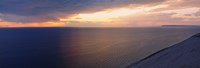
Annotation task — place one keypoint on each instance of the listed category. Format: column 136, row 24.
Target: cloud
column 180, row 4
column 25, row 19
column 188, row 3
column 45, row 10
column 155, row 19
column 197, row 13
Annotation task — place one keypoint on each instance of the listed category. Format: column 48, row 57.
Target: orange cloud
column 43, row 24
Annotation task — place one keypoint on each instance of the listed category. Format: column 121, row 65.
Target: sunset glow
column 111, row 15
column 102, row 16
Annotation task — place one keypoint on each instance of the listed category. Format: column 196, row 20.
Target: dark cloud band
column 45, row 10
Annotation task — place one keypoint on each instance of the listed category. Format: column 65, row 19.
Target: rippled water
column 84, row 47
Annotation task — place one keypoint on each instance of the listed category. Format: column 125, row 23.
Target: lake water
column 84, row 47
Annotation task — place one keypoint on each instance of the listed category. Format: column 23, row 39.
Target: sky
column 98, row 13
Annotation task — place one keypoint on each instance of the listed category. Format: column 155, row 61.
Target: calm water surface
column 84, row 47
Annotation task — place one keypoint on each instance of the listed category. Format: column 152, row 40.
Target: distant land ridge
column 190, row 26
